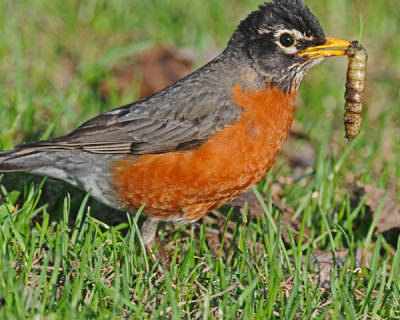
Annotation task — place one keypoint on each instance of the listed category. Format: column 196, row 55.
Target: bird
column 202, row 141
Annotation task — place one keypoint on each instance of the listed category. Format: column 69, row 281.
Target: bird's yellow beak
column 332, row 47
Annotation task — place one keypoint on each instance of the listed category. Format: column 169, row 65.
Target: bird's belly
column 186, row 185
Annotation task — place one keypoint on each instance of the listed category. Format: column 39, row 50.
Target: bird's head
column 284, row 40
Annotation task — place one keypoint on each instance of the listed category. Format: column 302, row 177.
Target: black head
column 275, row 38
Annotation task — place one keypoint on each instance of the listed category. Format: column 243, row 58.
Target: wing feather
column 177, row 118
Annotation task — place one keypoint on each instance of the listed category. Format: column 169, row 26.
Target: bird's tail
column 16, row 160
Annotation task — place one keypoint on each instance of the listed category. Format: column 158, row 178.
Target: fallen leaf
column 158, row 68
column 389, row 217
column 323, row 263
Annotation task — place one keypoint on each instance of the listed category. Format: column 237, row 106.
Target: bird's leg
column 148, row 233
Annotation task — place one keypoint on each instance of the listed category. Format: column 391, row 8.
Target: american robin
column 202, row 141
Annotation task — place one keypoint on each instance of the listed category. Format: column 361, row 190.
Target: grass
column 62, row 255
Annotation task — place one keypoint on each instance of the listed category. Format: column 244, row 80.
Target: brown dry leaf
column 157, row 67
column 322, row 262
column 389, row 217
column 64, row 71
column 253, row 205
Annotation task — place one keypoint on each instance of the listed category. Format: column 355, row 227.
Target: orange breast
column 186, row 185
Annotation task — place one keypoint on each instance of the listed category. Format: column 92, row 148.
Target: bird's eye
column 286, row 40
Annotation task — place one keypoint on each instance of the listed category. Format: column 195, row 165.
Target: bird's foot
column 148, row 233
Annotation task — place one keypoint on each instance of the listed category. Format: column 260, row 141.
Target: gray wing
column 177, row 118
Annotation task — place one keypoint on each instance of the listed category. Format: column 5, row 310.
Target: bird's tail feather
column 15, row 160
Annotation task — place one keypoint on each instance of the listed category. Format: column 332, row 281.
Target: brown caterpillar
column 355, row 84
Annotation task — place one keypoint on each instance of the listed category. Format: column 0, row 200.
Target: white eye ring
column 294, row 34
column 287, row 40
